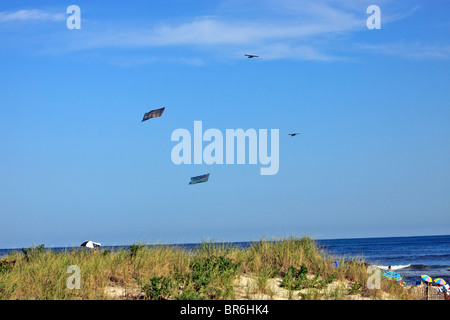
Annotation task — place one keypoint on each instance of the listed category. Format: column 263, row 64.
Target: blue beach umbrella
column 391, row 275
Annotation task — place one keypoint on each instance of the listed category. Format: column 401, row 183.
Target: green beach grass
column 289, row 268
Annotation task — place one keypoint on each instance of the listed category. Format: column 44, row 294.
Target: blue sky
column 373, row 107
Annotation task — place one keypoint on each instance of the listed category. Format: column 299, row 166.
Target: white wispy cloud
column 31, row 15
column 207, row 31
column 285, row 34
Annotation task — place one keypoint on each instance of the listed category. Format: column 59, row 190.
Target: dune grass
column 166, row 272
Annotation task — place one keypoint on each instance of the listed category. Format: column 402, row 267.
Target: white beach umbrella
column 90, row 244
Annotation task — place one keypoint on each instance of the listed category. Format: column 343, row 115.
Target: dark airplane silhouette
column 294, row 134
column 251, row 56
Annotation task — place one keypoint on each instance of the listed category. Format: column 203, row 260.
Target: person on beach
column 389, row 268
column 446, row 289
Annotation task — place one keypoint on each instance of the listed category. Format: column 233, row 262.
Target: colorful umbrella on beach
column 440, row 281
column 426, row 278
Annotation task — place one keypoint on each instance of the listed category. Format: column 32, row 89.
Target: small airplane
column 250, row 56
column 294, row 134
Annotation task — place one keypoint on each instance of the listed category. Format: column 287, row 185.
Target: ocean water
column 411, row 257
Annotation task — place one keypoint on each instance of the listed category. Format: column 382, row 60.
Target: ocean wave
column 394, row 267
column 422, row 267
